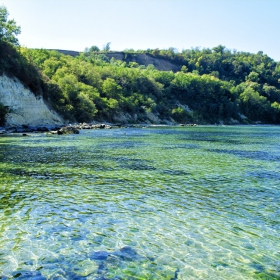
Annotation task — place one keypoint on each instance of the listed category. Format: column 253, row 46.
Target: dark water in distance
column 153, row 203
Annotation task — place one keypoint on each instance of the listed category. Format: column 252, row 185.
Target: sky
column 242, row 25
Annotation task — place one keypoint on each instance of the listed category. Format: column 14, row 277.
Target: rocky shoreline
column 69, row 128
column 60, row 130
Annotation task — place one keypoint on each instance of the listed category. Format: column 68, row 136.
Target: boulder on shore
column 68, row 130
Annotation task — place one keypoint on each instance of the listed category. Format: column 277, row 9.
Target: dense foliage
column 8, row 28
column 14, row 64
column 212, row 86
column 92, row 87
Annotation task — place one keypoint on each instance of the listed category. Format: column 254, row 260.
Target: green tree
column 181, row 115
column 219, row 49
column 253, row 104
column 107, row 47
column 85, row 108
column 275, row 112
column 111, row 89
column 8, row 28
column 219, row 84
column 253, row 77
column 94, row 49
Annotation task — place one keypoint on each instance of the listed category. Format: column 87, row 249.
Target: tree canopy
column 8, row 28
column 91, row 86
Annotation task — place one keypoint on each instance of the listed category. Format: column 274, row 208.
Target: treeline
column 91, row 87
column 219, row 62
column 213, row 85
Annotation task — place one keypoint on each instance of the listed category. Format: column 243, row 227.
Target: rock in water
column 68, row 130
column 36, row 275
column 99, row 255
column 127, row 254
column 176, row 275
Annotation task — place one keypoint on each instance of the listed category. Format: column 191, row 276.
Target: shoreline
column 75, row 128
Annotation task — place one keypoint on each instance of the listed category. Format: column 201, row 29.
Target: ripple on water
column 144, row 205
column 256, row 155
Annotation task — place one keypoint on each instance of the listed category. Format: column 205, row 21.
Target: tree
column 179, row 114
column 85, row 109
column 219, row 49
column 253, row 77
column 94, row 49
column 111, row 89
column 275, row 111
column 253, row 104
column 107, row 47
column 8, row 28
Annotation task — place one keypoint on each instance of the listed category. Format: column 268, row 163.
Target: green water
column 152, row 203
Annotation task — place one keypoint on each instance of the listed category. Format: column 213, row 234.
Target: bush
column 181, row 115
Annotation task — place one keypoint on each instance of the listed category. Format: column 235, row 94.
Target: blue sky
column 244, row 25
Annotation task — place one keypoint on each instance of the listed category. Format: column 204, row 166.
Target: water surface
column 153, row 203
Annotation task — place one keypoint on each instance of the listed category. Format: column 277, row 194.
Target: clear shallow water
column 154, row 203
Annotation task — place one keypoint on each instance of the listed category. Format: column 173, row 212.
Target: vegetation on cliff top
column 213, row 85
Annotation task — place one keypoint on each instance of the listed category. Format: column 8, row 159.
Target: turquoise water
column 152, row 203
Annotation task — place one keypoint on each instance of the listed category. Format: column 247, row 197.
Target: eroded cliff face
column 146, row 59
column 25, row 108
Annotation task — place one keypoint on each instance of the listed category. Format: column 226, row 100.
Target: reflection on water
column 154, row 203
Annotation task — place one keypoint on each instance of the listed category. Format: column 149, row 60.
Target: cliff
column 66, row 52
column 24, row 107
column 145, row 59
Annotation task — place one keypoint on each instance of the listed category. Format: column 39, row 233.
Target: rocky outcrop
column 75, row 129
column 160, row 63
column 68, row 130
column 66, row 52
column 146, row 59
column 24, row 107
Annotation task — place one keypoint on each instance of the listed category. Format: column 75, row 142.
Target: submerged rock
column 97, row 265
column 35, row 275
column 176, row 273
column 107, row 259
column 127, row 254
column 99, row 255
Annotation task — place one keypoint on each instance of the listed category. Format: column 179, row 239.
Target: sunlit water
column 151, row 203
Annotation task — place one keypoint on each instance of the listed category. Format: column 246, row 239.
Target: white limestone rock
column 25, row 107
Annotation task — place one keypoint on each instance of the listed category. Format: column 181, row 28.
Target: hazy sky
column 244, row 25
